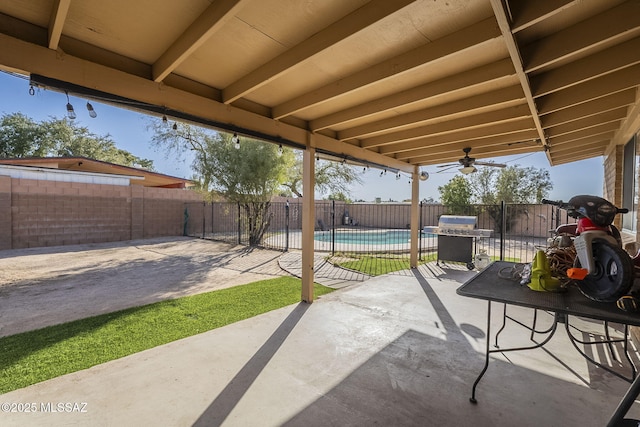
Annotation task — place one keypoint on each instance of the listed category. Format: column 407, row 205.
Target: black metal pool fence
column 372, row 229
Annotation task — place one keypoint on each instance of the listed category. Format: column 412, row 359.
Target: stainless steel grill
column 456, row 236
column 458, row 225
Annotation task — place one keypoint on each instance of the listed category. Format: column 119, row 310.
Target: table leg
column 625, row 404
column 504, row 324
column 608, row 339
column 488, row 351
column 533, row 327
column 575, row 341
column 472, row 399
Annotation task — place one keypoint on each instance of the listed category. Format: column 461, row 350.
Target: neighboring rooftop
column 84, row 164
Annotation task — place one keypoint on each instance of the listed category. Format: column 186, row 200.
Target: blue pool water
column 377, row 237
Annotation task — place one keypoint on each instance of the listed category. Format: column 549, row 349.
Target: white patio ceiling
column 398, row 83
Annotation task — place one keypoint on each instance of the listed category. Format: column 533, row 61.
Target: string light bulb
column 280, row 150
column 70, row 113
column 236, row 141
column 165, row 121
column 92, row 112
column 175, row 126
column 32, row 91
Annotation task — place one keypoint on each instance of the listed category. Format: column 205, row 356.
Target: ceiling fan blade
column 447, row 167
column 450, row 165
column 495, row 165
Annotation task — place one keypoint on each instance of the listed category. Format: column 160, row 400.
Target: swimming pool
column 367, row 237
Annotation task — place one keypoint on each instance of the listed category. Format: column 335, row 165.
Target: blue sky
column 129, row 131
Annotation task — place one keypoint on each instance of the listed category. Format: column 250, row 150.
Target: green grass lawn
column 376, row 266
column 35, row 356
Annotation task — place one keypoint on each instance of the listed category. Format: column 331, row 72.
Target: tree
column 250, row 175
column 339, row 196
column 330, row 177
column 21, row 136
column 456, row 195
column 513, row 185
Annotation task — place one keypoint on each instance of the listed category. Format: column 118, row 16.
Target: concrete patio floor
column 401, row 349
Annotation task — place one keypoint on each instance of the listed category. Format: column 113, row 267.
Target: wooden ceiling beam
column 56, row 22
column 578, row 158
column 210, row 21
column 606, row 136
column 36, row 59
column 510, row 96
column 590, row 108
column 528, row 13
column 605, row 85
column 614, row 23
column 583, row 145
column 593, row 66
column 507, row 140
column 480, row 153
column 616, row 115
column 630, row 126
column 594, row 130
column 592, row 152
column 496, row 71
column 479, row 121
column 462, row 135
column 516, row 59
column 354, row 22
column 457, row 43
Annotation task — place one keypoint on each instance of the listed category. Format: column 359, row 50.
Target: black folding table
column 497, row 283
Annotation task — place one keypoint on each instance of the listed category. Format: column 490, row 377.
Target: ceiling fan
column 469, row 163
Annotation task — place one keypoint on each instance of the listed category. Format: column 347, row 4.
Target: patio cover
column 396, row 83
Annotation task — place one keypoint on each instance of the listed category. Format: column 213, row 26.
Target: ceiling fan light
column 468, row 169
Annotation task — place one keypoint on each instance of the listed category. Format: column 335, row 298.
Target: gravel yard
column 45, row 286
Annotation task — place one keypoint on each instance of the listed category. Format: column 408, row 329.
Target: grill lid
column 458, row 225
column 457, row 222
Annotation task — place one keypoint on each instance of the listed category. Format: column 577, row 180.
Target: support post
column 333, row 227
column 308, row 220
column 415, row 210
column 420, row 225
column 286, row 227
column 239, row 225
column 503, row 228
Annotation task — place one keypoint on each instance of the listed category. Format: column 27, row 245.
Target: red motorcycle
column 603, row 270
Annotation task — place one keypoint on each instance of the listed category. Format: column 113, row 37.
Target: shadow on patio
column 400, row 349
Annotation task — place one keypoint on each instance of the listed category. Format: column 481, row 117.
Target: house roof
column 83, row 164
column 400, row 83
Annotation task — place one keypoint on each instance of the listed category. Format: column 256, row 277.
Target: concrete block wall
column 5, row 212
column 36, row 213
column 163, row 211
